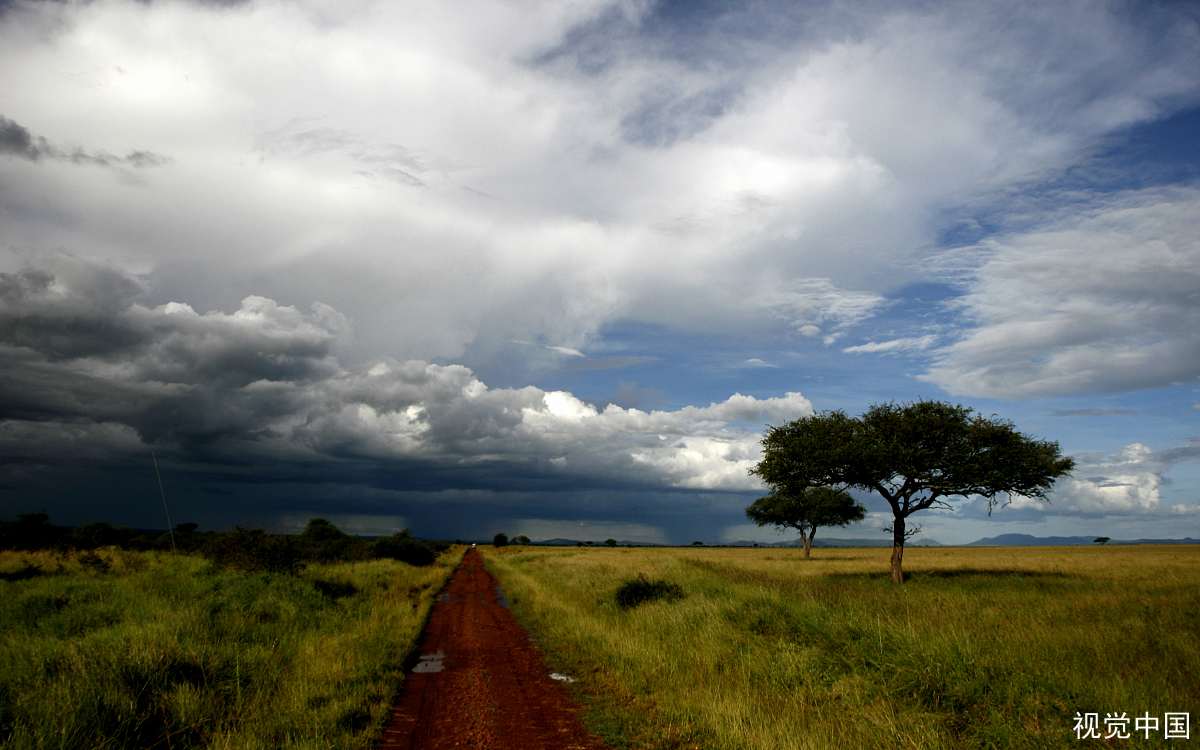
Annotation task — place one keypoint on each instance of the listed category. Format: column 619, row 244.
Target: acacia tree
column 914, row 455
column 806, row 511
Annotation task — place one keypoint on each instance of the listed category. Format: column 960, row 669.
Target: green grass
column 122, row 649
column 982, row 648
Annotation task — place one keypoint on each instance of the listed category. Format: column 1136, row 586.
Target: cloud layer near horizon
column 85, row 362
column 92, row 376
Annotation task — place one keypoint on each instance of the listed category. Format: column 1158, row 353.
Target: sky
column 552, row 268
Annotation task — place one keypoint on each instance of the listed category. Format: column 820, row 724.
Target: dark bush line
column 640, row 590
column 242, row 548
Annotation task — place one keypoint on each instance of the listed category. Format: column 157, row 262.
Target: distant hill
column 595, row 543
column 885, row 542
column 836, row 542
column 832, row 542
column 1004, row 540
column 1025, row 540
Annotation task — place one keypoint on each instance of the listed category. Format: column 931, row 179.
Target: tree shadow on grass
column 23, row 573
column 818, row 557
column 915, row 576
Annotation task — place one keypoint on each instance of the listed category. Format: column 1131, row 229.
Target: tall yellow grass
column 983, row 647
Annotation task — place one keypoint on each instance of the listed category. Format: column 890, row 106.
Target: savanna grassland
column 981, row 648
column 128, row 649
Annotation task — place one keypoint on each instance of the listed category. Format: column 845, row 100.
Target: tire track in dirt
column 479, row 682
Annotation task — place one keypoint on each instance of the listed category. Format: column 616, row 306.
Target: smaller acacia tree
column 806, row 511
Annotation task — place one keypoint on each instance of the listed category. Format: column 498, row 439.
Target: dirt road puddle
column 430, row 663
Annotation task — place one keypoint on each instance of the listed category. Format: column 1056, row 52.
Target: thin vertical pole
column 164, row 497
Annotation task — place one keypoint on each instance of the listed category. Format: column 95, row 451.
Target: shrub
column 30, row 531
column 500, row 540
column 89, row 560
column 95, row 534
column 639, row 590
column 255, row 550
column 321, row 530
column 406, row 549
column 25, row 572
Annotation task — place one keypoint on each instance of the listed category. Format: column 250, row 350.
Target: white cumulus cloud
column 1124, row 482
column 895, row 345
column 1103, row 299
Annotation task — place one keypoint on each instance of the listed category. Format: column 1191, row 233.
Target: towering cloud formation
column 84, row 361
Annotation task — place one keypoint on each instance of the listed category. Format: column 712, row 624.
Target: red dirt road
column 480, row 683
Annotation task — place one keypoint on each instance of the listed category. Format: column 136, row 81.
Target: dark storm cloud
column 135, row 159
column 76, row 313
column 85, row 310
column 16, row 140
column 88, row 370
column 75, row 345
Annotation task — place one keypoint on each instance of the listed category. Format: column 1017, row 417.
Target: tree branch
column 908, row 533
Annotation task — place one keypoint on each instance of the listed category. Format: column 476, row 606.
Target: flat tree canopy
column 321, row 530
column 913, row 455
column 806, row 511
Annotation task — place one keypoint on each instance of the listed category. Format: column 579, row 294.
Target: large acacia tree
column 914, row 455
column 806, row 511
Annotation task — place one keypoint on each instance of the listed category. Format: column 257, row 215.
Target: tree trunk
column 898, row 550
column 808, row 541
